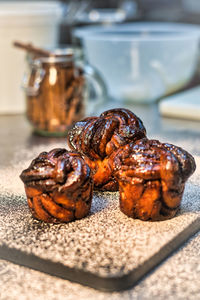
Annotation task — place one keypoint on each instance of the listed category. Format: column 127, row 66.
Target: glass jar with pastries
column 58, row 90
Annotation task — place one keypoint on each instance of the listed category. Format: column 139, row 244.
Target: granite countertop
column 176, row 278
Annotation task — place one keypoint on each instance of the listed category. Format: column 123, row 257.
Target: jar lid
column 63, row 54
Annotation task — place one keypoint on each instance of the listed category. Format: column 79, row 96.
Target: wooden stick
column 30, row 48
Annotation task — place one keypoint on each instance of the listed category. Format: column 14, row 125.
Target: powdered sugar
column 106, row 242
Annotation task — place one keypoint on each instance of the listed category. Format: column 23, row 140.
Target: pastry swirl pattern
column 97, row 139
column 58, row 186
column 152, row 178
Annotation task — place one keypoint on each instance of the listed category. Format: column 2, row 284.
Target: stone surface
column 177, row 278
column 106, row 243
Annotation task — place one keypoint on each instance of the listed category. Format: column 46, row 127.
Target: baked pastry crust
column 98, row 138
column 58, row 186
column 152, row 178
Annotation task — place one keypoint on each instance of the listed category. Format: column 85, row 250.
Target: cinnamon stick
column 30, row 48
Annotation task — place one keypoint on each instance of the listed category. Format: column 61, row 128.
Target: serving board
column 106, row 250
column 184, row 105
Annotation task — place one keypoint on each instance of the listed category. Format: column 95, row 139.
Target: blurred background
column 88, row 12
column 136, row 61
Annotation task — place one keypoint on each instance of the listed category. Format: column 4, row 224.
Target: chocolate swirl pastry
column 58, row 186
column 98, row 138
column 152, row 178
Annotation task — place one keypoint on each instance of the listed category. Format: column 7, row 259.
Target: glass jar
column 56, row 90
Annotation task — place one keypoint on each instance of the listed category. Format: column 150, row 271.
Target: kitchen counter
column 177, row 277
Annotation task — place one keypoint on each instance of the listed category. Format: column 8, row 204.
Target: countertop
column 178, row 277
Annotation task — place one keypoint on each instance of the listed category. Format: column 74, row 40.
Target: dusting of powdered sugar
column 106, row 242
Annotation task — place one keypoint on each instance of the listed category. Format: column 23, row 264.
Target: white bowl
column 143, row 61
